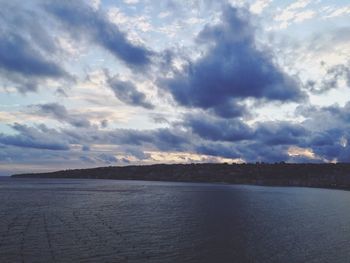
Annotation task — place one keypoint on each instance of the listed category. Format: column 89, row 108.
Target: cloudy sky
column 116, row 82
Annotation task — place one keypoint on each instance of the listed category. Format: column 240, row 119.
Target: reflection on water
column 126, row 221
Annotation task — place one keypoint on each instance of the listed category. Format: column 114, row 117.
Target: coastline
column 329, row 176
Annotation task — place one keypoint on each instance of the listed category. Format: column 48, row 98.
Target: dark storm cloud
column 162, row 139
column 330, row 128
column 26, row 49
column 82, row 20
column 263, row 141
column 341, row 113
column 323, row 118
column 233, row 130
column 126, row 92
column 218, row 129
column 250, row 151
column 330, row 144
column 17, row 55
column 38, row 138
column 231, row 109
column 280, row 133
column 60, row 113
column 128, row 137
column 218, row 149
column 256, row 151
column 203, row 134
column 331, row 125
column 232, row 69
column 267, row 142
column 170, row 139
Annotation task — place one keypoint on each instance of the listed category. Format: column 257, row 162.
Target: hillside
column 281, row 174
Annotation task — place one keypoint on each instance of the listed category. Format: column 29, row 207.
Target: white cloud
column 131, row 2
column 95, row 4
column 133, row 25
column 141, row 23
column 259, row 6
column 294, row 13
column 299, row 4
column 164, row 14
column 332, row 12
column 194, row 21
column 116, row 16
column 304, row 15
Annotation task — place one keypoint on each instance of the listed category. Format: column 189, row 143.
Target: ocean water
column 43, row 220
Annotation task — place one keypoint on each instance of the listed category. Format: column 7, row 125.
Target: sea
column 71, row 220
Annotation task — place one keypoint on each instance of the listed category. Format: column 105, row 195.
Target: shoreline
column 326, row 176
column 190, row 182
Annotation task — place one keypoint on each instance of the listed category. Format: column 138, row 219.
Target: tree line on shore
column 326, row 175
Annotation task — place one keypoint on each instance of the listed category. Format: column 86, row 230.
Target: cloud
column 131, row 2
column 232, row 138
column 26, row 56
column 158, row 118
column 218, row 129
column 38, row 138
column 231, row 109
column 127, row 92
column 218, row 149
column 259, row 6
column 161, row 139
column 258, row 152
column 104, row 123
column 233, row 69
column 202, row 133
column 136, row 152
column 83, row 21
column 280, row 133
column 266, row 141
column 170, row 139
column 337, row 12
column 331, row 80
column 235, row 130
column 60, row 113
column 107, row 158
column 17, row 56
column 330, row 145
column 95, row 4
column 221, row 78
column 248, row 151
column 329, row 128
column 164, row 139
column 323, row 118
column 294, row 13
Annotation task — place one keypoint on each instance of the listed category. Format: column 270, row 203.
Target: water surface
column 50, row 220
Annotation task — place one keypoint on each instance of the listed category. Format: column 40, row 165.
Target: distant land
column 325, row 175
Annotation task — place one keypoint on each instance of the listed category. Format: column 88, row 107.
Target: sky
column 91, row 83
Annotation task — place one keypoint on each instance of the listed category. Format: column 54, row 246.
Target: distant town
column 325, row 175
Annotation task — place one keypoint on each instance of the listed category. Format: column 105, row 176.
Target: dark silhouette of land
column 325, row 175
